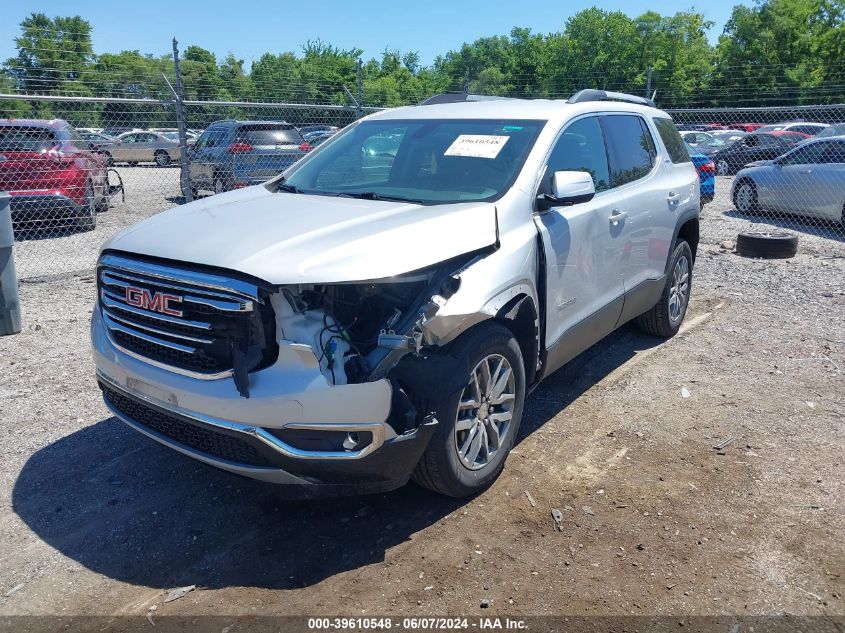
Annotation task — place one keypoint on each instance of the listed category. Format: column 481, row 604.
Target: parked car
column 728, row 134
column 315, row 139
column 337, row 330
column 706, row 174
column 51, row 174
column 316, row 127
column 234, row 154
column 696, row 138
column 692, row 127
column 747, row 127
column 810, row 129
column 735, row 155
column 808, row 181
column 835, row 129
column 144, row 147
column 791, row 138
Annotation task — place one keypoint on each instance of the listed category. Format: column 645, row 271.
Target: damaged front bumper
column 294, row 430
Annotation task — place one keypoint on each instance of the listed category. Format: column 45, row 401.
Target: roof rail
column 603, row 95
column 458, row 97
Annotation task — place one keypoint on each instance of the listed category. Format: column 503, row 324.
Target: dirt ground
column 96, row 519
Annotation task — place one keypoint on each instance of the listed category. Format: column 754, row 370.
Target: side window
column 579, row 148
column 672, row 140
column 630, row 148
column 814, row 154
column 145, row 138
column 129, row 138
column 767, row 141
column 834, row 153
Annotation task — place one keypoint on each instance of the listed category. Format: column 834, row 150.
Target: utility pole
column 359, row 110
column 648, row 84
column 184, row 163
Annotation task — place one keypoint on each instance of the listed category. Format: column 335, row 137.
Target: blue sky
column 251, row 28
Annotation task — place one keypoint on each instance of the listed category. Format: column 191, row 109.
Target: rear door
column 582, row 248
column 144, row 147
column 121, row 151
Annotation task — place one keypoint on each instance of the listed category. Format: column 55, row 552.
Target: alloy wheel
column 485, row 412
column 679, row 290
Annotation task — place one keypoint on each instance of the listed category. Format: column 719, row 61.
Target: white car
column 373, row 315
column 807, row 181
column 799, row 126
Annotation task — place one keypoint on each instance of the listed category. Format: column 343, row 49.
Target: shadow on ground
column 132, row 510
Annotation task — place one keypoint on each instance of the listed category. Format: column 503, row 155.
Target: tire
column 745, row 197
column 88, row 222
column 221, row 184
column 162, row 158
column 443, row 468
column 723, row 167
column 664, row 319
column 767, row 245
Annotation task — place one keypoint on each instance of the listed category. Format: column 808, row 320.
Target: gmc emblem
column 157, row 302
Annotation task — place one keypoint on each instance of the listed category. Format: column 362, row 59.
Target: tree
column 51, row 52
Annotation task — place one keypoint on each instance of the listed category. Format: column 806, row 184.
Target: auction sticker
column 477, row 146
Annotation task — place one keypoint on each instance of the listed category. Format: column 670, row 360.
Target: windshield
column 837, row 129
column 431, row 161
column 171, row 136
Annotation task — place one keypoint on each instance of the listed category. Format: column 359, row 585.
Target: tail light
column 709, row 167
column 306, row 147
column 240, row 148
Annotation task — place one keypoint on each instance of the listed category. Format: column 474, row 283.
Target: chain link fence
column 104, row 163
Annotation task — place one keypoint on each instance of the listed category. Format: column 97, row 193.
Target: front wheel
column 665, row 318
column 478, row 424
column 745, row 197
column 723, row 167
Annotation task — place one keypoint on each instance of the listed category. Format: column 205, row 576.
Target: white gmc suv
column 381, row 310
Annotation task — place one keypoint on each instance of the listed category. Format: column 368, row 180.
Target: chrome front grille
column 193, row 323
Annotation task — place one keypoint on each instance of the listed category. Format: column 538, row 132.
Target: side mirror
column 568, row 188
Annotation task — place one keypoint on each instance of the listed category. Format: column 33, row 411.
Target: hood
column 286, row 238
column 760, row 163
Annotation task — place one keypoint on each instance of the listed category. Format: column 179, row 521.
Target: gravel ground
column 96, row 519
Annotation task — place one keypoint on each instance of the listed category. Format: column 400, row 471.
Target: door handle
column 616, row 216
column 674, row 198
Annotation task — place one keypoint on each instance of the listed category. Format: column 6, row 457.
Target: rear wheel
column 88, row 220
column 665, row 318
column 162, row 158
column 222, row 183
column 477, row 425
column 723, row 167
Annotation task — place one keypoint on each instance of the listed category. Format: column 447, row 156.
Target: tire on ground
column 658, row 321
column 440, row 469
column 767, row 245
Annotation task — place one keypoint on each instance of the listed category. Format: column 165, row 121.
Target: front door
column 582, row 245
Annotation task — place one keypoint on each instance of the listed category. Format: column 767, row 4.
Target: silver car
column 161, row 148
column 808, row 181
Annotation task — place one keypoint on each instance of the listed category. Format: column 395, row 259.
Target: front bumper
column 287, row 432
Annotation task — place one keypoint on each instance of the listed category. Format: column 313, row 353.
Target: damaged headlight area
column 372, row 330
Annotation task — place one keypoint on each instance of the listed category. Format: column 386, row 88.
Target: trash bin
column 10, row 307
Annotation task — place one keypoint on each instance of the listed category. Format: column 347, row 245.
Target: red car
column 746, row 127
column 51, row 175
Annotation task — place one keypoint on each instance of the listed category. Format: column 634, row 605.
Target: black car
column 733, row 156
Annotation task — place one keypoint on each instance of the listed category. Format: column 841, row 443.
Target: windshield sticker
column 477, row 146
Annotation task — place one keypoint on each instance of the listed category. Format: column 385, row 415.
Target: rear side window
column 672, row 140
column 25, row 139
column 580, row 148
column 630, row 148
column 269, row 136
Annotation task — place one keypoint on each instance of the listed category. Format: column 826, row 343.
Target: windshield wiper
column 283, row 186
column 372, row 195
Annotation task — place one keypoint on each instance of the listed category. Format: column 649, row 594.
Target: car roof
column 53, row 124
column 540, row 109
column 237, row 123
